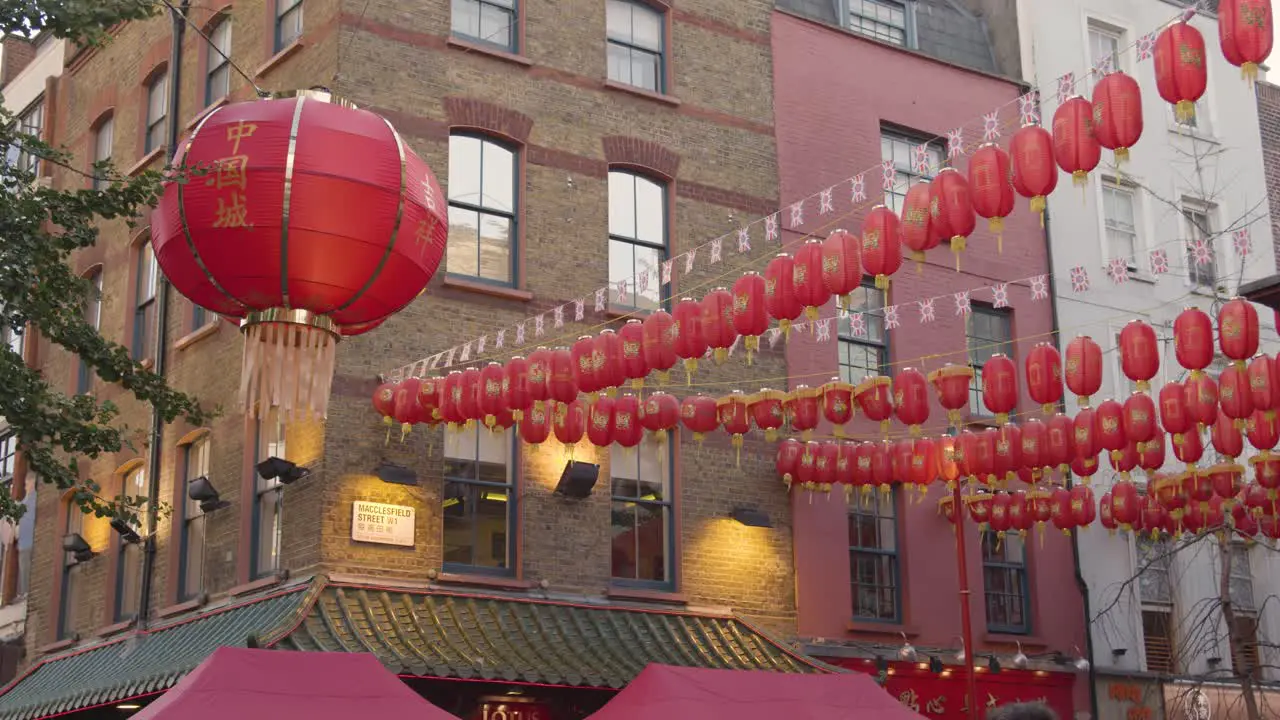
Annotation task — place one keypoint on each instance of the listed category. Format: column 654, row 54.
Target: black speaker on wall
column 578, row 479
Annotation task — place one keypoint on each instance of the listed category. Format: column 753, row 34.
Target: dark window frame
column 154, row 136
column 989, row 346
column 910, row 39
column 847, row 338
column 473, row 485
column 144, row 310
column 74, row 523
column 27, row 161
column 660, row 53
column 84, row 372
column 287, row 9
column 668, row 505
column 125, row 552
column 663, row 248
column 1020, row 570
column 859, row 512
column 105, row 128
column 188, row 519
column 261, row 489
column 512, row 216
column 512, row 11
column 894, row 198
column 216, row 63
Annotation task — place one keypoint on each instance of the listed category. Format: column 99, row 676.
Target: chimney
column 18, row 52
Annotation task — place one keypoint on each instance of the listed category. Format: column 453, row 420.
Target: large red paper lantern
column 1193, row 339
column 788, row 459
column 881, row 245
column 1181, row 68
column 1226, row 437
column 1034, row 445
column 515, row 387
column 700, row 415
column 780, row 292
column 608, row 361
column 1084, row 507
column 1246, row 34
column 690, row 338
column 405, row 408
column 952, row 209
column 451, row 400
column 384, row 402
column 661, row 415
column 991, row 189
column 1059, row 442
column 470, row 388
column 811, row 290
column 1084, row 434
column 562, row 385
column 1007, row 459
column 842, row 265
column 634, row 366
column 1044, row 376
column 952, row 383
column 1264, row 383
column 660, row 343
column 911, row 397
column 1074, row 145
column 600, row 416
column 803, row 407
column 1000, row 386
column 1060, row 504
column 535, row 427
column 1234, row 395
column 750, row 317
column 837, row 404
column 584, row 364
column 1139, row 419
column 539, row 377
column 430, row 393
column 1083, row 368
column 917, row 222
column 1117, row 113
column 1263, row 430
column 924, row 463
column 1174, row 417
column 627, row 430
column 1202, row 399
column 826, row 465
column 1109, row 426
column 1126, row 505
column 492, row 401
column 271, row 236
column 1139, row 353
column 1238, row 330
column 569, row 422
column 1035, row 173
column 874, row 396
column 735, row 416
column 768, row 412
column 717, row 323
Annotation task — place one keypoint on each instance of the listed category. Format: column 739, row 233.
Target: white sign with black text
column 384, row 524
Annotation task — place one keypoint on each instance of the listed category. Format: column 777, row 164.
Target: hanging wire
column 209, row 41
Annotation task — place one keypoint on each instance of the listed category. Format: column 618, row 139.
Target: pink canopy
column 275, row 684
column 678, row 693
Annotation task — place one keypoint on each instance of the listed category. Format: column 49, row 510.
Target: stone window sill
column 114, row 629
column 486, row 581
column 259, row 584
column 54, row 647
column 1027, row 641
column 481, row 48
column 205, row 112
column 145, row 161
column 641, row 92
column 866, row 627
column 499, row 291
column 191, row 338
column 180, row 608
column 660, row 596
column 288, row 51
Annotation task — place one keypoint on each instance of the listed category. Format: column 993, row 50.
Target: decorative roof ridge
column 787, row 648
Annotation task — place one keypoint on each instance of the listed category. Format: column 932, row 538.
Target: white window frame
column 1213, row 213
column 844, row 16
column 1120, row 33
column 1139, row 264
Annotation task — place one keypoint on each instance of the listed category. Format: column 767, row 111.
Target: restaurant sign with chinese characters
column 373, row 522
column 945, row 697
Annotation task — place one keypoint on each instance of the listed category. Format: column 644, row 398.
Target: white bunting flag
column 481, row 343
column 1040, row 287
column 926, row 310
column 963, row 305
column 465, row 355
column 771, row 228
column 519, row 334
column 600, row 300
column 537, row 325
column 991, row 126
column 1000, row 295
column 797, row 214
column 557, row 317
column 579, row 309
column 825, row 202
column 688, row 260
column 717, row 247
column 500, row 339
column 859, row 189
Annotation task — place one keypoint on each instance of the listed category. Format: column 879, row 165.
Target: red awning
column 275, row 684
column 679, row 693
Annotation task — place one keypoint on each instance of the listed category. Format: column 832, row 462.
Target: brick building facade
column 568, row 106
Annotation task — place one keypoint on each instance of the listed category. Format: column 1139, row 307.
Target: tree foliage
column 41, row 227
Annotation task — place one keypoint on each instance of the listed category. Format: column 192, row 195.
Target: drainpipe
column 1081, row 584
column 178, row 15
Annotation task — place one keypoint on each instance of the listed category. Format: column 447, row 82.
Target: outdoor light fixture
column 578, row 479
column 1119, row 652
column 203, row 492
column 128, row 706
column 907, row 653
column 935, row 664
column 286, row 472
column 1081, row 663
column 389, row 472
column 751, row 517
column 76, row 545
column 993, row 664
column 125, row 531
column 1020, row 660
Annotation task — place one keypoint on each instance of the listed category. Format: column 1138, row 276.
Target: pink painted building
column 875, row 573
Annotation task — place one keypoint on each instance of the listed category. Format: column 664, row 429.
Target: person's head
column 1023, row 711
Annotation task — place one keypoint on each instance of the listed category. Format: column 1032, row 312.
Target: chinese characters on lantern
column 229, row 172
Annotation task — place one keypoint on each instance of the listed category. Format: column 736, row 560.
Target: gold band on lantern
column 318, row 94
column 287, row 316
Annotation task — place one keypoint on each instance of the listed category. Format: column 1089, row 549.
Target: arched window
column 217, row 79
column 483, row 195
column 637, row 237
column 157, row 111
column 146, row 285
column 103, row 142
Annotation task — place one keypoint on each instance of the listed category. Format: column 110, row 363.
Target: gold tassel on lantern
column 996, row 225
column 957, row 247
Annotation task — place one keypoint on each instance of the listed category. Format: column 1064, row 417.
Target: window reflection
column 635, row 44
column 482, row 206
column 637, row 237
column 478, row 503
column 641, row 512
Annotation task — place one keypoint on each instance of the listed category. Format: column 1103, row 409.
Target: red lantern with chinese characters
column 750, row 318
column 1124, row 460
column 1035, row 174
column 1083, row 368
column 405, row 408
column 1007, row 459
column 1174, row 417
column 451, row 400
column 1000, row 520
column 837, row 404
column 768, row 413
column 917, row 222
column 717, row 323
column 846, row 460
column 384, row 402
column 1264, row 384
column 1021, row 514
column 1202, row 399
column 491, row 398
column 1044, row 376
column 1109, row 426
column 515, row 387
column 539, row 377
column 1126, row 505
column 1034, row 445
column 788, row 458
column 924, row 462
column 952, row 209
column 1246, row 34
column 1152, row 456
column 981, row 455
column 882, row 466
column 535, row 427
column 948, row 470
column 1000, row 386
column 1040, row 503
column 1181, row 68
column 259, row 241
column 1188, row 448
column 584, row 365
column 600, row 415
column 430, row 394
column 881, row 245
column 1238, row 330
column 1084, row 507
column 660, row 343
column 806, row 275
column 952, row 383
column 608, row 361
column 1226, row 437
column 780, row 292
column 627, row 430
column 1059, row 445
column 900, row 455
column 1060, row 504
column 1235, row 397
column 874, row 396
column 862, row 474
column 1084, row 434
column 979, row 504
column 1117, row 114
column 700, row 414
column 634, row 367
column 842, row 265
column 807, row 467
column 569, row 422
column 661, row 415
column 1139, row 353
column 1139, row 419
column 735, row 417
column 1193, row 339
column 804, row 408
column 911, row 398
column 690, row 339
column 990, row 188
column 1075, row 146
column 562, row 385
column 1263, row 430
column 1106, row 514
column 470, row 388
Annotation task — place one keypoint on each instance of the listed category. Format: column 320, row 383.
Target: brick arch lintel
column 472, row 114
column 639, row 154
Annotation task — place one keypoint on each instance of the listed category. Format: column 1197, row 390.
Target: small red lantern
column 608, row 361
column 700, row 415
column 1040, row 503
column 1083, row 369
column 1174, row 417
column 1084, row 434
column 768, row 412
column 584, row 365
column 1238, row 330
column 1021, row 513
column 384, row 402
column 1125, row 460
column 690, row 338
column 989, row 173
column 789, row 452
column 1263, row 430
column 1246, row 34
column 1193, row 339
column 1044, row 376
column 1139, row 420
column 430, row 395
column 1226, row 437
column 804, row 408
column 1234, row 394
column 807, row 279
column 900, row 456
column 846, row 460
column 911, row 398
column 1060, row 504
column 1059, row 445
column 837, row 404
column 470, row 388
column 1034, row 172
column 917, row 222
column 661, row 415
column 862, row 475
column 539, row 377
column 1202, row 399
column 948, row 470
column 562, row 385
column 1126, row 505
column 952, row 209
column 451, row 400
column 1264, row 384
column 924, row 463
column 515, row 387
column 1227, row 480
column 405, row 408
column 1188, row 447
column 1139, row 353
column 979, row 504
column 874, row 396
column 1084, row 507
column 491, row 396
column 1117, row 113
column 600, row 416
column 1034, row 445
column 717, row 323
column 735, row 417
column 627, row 430
column 1000, row 386
column 1109, row 426
column 1155, row 515
column 634, row 367
column 1181, row 68
column 981, row 455
column 780, row 292
column 660, row 343
column 1000, row 520
column 1152, row 456
column 569, row 422
column 1074, row 145
column 1106, row 512
column 882, row 466
column 881, row 245
column 750, row 317
column 952, row 383
column 842, row 265
column 535, row 427
column 1007, row 457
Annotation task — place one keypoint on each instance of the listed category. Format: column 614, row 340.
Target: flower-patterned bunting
column 600, row 299
column 891, row 317
column 858, row 324
column 1242, row 242
column 888, row 174
column 579, row 309
column 1079, row 279
column 824, row 330
column 465, row 355
column 920, row 159
column 826, row 204
column 688, row 260
column 1066, row 86
column 717, row 247
column 666, row 271
column 991, row 126
column 926, row 310
column 620, row 292
column 1146, row 46
column 1118, row 270
column 1040, row 287
column 797, row 213
column 744, row 240
column 557, row 316
column 1201, row 253
column 1029, row 108
column 963, row 304
column 771, row 228
column 1159, row 262
column 538, row 321
column 858, row 189
column 519, row 334
column 500, row 339
column 955, row 143
column 1000, row 295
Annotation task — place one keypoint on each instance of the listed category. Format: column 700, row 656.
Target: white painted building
column 25, row 67
column 1180, row 182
